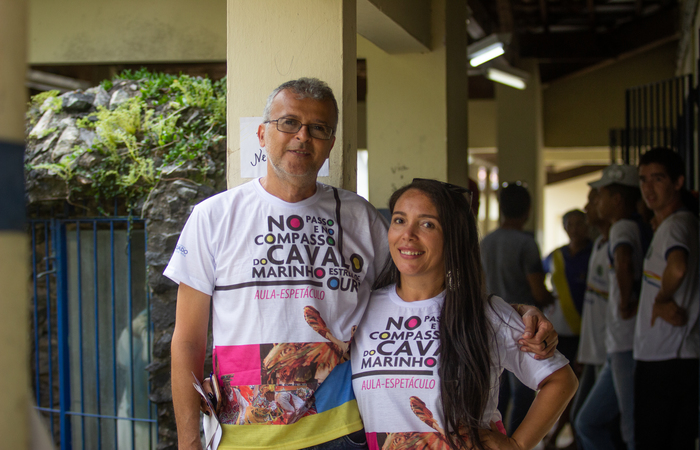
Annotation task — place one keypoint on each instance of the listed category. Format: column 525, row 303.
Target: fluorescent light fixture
column 488, row 54
column 510, row 79
column 486, row 49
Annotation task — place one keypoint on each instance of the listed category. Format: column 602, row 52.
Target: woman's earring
column 452, row 281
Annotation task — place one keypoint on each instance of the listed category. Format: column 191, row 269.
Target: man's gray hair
column 304, row 88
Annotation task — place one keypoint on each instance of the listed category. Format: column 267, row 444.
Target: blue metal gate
column 92, row 332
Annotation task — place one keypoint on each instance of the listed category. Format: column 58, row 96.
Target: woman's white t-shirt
column 395, row 361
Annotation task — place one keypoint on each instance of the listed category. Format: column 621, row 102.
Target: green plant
column 41, row 103
column 175, row 119
column 38, row 100
column 44, row 133
column 60, row 169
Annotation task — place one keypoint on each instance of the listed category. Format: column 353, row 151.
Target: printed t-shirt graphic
column 395, row 360
column 289, row 281
column 568, row 277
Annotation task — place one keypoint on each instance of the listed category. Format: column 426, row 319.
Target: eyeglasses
column 451, row 187
column 291, row 126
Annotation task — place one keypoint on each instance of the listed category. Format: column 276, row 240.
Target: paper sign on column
column 254, row 157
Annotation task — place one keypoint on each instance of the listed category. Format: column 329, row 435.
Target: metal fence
column 92, row 332
column 661, row 114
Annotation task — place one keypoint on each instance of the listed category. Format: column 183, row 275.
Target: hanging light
column 509, row 76
column 486, row 49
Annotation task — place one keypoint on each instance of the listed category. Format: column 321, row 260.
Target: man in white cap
column 613, row 392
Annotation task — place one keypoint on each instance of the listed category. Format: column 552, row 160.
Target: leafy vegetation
column 47, row 100
column 173, row 120
column 43, row 102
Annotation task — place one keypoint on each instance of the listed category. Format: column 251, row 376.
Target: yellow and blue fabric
column 568, row 276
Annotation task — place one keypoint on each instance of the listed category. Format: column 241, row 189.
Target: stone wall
column 52, row 137
column 167, row 210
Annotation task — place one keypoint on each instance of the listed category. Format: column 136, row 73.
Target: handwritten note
column 254, row 157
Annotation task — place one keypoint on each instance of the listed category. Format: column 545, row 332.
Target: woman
column 431, row 346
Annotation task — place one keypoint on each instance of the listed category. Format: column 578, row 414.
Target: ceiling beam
column 395, row 29
column 589, row 45
column 505, row 16
column 591, row 13
column 482, row 16
column 645, row 30
column 543, row 15
column 608, row 62
column 554, row 46
column 557, row 177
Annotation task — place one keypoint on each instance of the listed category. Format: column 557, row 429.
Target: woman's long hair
column 464, row 329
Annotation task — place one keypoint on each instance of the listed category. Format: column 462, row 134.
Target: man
column 288, row 264
column 618, row 193
column 666, row 344
column 591, row 350
column 568, row 266
column 513, row 270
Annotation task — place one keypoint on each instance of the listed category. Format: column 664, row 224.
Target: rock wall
column 166, row 211
column 53, row 135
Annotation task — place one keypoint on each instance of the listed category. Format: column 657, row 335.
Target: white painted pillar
column 456, row 92
column 14, row 245
column 417, row 108
column 520, row 142
column 273, row 41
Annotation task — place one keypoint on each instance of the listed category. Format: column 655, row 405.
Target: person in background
column 618, row 192
column 568, row 267
column 591, row 350
column 428, row 353
column 513, row 270
column 666, row 340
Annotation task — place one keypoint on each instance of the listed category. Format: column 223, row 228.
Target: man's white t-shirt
column 289, row 283
column 664, row 341
column 620, row 332
column 395, row 361
column 591, row 348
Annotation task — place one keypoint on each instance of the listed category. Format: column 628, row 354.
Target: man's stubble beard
column 307, row 179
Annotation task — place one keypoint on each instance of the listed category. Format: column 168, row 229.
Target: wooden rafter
column 482, row 16
column 543, row 15
column 557, row 177
column 568, row 36
column 591, row 45
column 505, row 16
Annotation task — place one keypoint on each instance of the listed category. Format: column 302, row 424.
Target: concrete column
column 519, row 140
column 14, row 245
column 457, row 92
column 273, row 41
column 417, row 107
